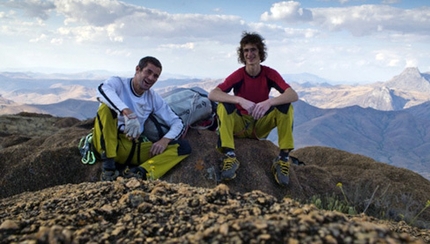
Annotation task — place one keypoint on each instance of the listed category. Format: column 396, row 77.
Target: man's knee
column 229, row 107
column 184, row 147
column 283, row 108
column 104, row 111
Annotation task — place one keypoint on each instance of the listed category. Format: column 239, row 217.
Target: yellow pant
column 233, row 124
column 109, row 142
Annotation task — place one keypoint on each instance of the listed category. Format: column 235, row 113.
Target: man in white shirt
column 126, row 103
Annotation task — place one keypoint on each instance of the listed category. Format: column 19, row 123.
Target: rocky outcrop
column 49, row 195
column 134, row 211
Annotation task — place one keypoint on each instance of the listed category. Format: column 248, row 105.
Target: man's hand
column 132, row 126
column 260, row 109
column 159, row 146
column 247, row 105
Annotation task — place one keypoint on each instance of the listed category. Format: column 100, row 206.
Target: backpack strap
column 130, row 155
column 158, row 125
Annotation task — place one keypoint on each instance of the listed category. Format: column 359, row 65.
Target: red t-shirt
column 256, row 89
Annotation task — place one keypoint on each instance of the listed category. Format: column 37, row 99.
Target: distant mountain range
column 400, row 138
column 388, row 121
column 405, row 90
column 408, row 89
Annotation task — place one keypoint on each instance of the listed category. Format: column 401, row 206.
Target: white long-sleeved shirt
column 117, row 93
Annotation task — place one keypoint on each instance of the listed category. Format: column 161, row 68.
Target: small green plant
column 375, row 202
column 339, row 184
column 333, row 203
column 422, row 210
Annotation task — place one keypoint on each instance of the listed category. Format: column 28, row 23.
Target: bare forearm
column 288, row 96
column 217, row 95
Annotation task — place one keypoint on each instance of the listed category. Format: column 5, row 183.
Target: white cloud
column 126, row 20
column 332, row 42
column 186, row 46
column 96, row 13
column 359, row 20
column 123, row 20
column 390, row 1
column 42, row 37
column 278, row 32
column 287, row 11
column 57, row 41
column 412, row 62
column 387, row 58
column 32, row 8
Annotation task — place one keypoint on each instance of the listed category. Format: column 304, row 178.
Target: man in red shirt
column 249, row 112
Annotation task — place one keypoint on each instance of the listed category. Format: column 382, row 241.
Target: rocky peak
column 410, row 79
column 411, row 71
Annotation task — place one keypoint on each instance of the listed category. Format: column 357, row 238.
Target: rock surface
column 48, row 196
column 135, row 211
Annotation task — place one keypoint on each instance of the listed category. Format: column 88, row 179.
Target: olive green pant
column 110, row 142
column 233, row 124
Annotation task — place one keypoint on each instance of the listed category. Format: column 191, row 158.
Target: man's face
column 251, row 54
column 145, row 78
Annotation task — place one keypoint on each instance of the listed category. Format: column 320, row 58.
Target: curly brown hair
column 252, row 38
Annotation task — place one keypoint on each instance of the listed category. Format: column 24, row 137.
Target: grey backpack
column 192, row 105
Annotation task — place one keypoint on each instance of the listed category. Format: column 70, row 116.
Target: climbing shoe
column 109, row 175
column 230, row 165
column 281, row 171
column 134, row 172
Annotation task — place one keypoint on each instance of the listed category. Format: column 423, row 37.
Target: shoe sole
column 279, row 183
column 228, row 179
column 277, row 180
column 111, row 177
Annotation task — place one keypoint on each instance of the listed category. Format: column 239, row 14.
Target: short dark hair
column 148, row 59
column 252, row 38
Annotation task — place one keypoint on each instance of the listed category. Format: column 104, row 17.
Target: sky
column 355, row 41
